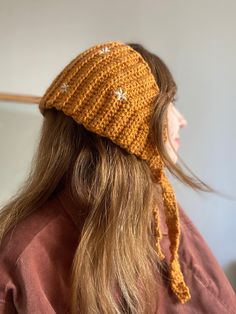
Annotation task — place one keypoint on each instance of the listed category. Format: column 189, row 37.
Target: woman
column 96, row 227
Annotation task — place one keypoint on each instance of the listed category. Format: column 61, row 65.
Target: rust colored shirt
column 36, row 257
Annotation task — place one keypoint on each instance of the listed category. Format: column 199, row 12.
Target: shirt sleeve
column 7, row 307
column 7, row 286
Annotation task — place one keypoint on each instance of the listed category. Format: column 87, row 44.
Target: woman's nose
column 183, row 122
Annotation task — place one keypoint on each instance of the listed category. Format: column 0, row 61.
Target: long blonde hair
column 117, row 250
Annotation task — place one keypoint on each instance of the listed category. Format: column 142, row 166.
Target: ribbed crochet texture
column 109, row 88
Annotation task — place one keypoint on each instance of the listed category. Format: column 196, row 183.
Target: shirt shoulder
column 35, row 255
column 210, row 286
column 21, row 235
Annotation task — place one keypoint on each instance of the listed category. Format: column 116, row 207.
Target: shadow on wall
column 230, row 272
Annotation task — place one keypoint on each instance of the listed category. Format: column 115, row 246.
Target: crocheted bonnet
column 109, row 88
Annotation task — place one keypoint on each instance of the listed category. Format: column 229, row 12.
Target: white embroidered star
column 104, row 50
column 64, row 87
column 120, row 94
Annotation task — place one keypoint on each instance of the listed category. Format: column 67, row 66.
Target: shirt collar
column 78, row 214
column 75, row 211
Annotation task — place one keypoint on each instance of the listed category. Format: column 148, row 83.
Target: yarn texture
column 109, row 88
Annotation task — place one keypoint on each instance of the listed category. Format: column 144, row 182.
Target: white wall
column 197, row 41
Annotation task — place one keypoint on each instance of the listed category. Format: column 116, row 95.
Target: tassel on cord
column 158, row 234
column 171, row 210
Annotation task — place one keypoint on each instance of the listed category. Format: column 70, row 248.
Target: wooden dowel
column 20, row 98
